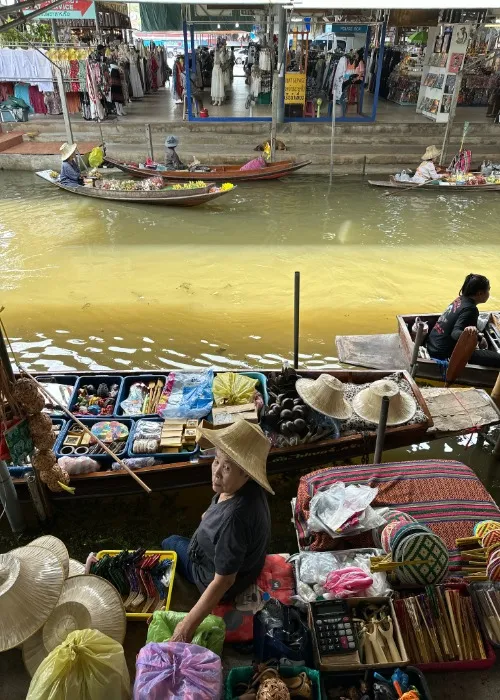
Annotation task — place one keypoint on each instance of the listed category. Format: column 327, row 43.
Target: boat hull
column 191, row 473
column 173, row 198
column 217, row 173
column 393, row 185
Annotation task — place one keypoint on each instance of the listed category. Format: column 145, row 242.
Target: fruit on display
column 54, row 174
column 191, row 185
column 226, row 186
column 149, row 185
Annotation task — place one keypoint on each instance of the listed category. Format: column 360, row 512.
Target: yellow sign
column 295, row 88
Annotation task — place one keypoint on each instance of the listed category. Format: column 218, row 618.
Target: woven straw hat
column 57, row 547
column 75, row 568
column 367, row 403
column 86, row 602
column 67, row 150
column 31, row 580
column 246, row 445
column 325, row 394
column 431, row 153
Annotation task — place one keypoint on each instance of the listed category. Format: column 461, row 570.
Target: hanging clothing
column 339, row 78
column 36, row 100
column 22, row 91
column 6, row 91
column 94, row 89
column 255, row 81
column 217, row 90
column 135, row 81
column 116, row 92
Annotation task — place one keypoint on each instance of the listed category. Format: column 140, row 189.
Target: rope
column 443, row 367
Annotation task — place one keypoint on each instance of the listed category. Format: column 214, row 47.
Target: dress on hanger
column 217, row 92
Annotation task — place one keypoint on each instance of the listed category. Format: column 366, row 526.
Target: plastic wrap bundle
column 313, row 569
column 342, row 510
column 210, row 633
column 78, row 465
column 87, row 666
column 177, row 671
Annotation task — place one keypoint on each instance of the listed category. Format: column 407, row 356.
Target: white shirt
column 426, row 171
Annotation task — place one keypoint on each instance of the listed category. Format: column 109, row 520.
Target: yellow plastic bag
column 88, row 666
column 231, row 389
column 96, row 157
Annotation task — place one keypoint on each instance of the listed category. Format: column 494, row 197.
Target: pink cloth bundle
column 347, row 582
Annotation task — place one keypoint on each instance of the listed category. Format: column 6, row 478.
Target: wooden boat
column 444, row 187
column 196, row 471
column 385, row 350
column 172, row 198
column 217, row 173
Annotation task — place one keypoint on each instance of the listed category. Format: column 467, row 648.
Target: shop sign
column 348, row 28
column 69, row 9
column 295, row 88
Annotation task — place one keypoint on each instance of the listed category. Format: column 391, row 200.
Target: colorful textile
column 37, row 100
column 277, row 579
column 443, row 494
column 6, row 91
column 255, row 164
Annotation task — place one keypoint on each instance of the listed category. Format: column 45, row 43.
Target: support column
column 55, row 32
column 282, row 46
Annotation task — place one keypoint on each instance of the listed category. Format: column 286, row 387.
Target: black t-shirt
column 232, row 538
column 442, row 339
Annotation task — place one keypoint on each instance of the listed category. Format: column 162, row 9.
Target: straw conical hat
column 67, row 150
column 56, row 546
column 75, row 568
column 368, row 402
column 324, row 394
column 31, row 580
column 431, row 153
column 86, row 602
column 246, row 445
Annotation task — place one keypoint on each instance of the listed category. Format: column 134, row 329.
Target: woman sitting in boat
column 461, row 314
column 426, row 171
column 172, row 160
column 227, row 552
column 70, row 172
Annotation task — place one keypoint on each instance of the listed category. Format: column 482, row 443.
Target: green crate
column 243, row 674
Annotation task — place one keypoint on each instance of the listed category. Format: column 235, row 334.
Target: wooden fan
column 461, row 354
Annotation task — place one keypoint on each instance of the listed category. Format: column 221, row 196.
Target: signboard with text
column 69, row 9
column 295, row 88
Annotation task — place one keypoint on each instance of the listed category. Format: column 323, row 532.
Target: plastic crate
column 150, row 552
column 89, row 422
column 416, row 677
column 125, row 389
column 166, row 457
column 95, row 380
column 70, row 379
column 243, row 674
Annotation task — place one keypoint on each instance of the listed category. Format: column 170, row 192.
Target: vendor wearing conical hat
column 70, row 172
column 426, row 171
column 227, row 552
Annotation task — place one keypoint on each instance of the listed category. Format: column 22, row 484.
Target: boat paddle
column 405, row 189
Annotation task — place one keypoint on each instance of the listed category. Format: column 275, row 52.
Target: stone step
column 9, row 140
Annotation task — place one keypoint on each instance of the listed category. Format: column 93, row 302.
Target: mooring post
column 418, row 342
column 379, row 444
column 296, row 315
column 150, row 140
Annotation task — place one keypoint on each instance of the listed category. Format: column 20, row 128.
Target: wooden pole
column 86, row 430
column 364, row 166
column 418, row 342
column 332, row 137
column 150, row 141
column 296, row 316
column 379, row 444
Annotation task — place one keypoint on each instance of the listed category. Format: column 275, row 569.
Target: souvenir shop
column 99, row 81
column 427, row 64
column 317, row 74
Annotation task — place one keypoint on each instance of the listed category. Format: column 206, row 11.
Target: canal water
column 97, row 285
column 89, row 284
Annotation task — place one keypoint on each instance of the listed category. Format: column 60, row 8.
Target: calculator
column 334, row 628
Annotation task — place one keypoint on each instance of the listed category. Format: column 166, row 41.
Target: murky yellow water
column 94, row 284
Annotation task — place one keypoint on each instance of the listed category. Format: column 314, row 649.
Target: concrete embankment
column 378, row 148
